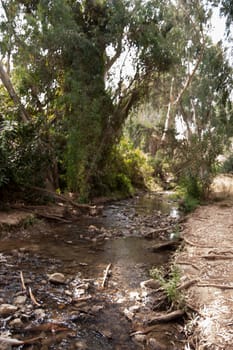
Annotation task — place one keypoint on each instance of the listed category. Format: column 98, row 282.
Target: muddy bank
column 59, row 291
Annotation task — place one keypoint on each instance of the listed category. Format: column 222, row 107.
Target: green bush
column 127, row 168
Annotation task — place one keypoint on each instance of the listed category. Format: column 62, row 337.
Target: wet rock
column 106, row 333
column 20, row 300
column 39, row 314
column 7, row 309
column 128, row 314
column 139, row 338
column 96, row 308
column 57, row 278
column 16, row 323
column 153, row 344
column 81, row 345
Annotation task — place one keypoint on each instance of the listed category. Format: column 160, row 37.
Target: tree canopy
column 73, row 72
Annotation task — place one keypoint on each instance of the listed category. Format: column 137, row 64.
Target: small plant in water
column 29, row 221
column 169, row 284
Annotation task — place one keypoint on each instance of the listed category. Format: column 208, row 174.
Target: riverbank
column 207, row 260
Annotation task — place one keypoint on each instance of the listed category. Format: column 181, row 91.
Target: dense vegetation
column 85, row 82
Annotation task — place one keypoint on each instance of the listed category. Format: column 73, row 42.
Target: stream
column 78, row 311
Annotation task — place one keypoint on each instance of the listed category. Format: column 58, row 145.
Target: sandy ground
column 207, row 259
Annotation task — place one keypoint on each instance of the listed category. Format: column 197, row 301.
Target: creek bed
column 95, row 317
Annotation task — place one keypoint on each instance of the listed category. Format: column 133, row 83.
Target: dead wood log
column 167, row 317
column 187, row 284
column 164, row 246
column 157, row 230
column 92, row 209
column 159, row 319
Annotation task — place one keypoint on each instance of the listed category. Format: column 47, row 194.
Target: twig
column 187, row 263
column 158, row 230
column 13, row 341
column 22, row 281
column 33, row 299
column 106, row 275
column 194, row 244
column 216, row 257
column 214, row 285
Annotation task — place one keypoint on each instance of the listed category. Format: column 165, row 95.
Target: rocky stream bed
column 86, row 284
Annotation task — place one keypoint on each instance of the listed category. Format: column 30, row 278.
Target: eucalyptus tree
column 63, row 55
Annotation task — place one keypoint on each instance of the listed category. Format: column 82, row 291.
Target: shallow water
column 75, row 251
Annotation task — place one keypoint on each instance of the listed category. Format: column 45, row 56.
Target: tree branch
column 11, row 91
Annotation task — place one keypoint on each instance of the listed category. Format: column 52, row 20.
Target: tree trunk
column 11, row 91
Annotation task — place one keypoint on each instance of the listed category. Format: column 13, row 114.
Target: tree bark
column 11, row 91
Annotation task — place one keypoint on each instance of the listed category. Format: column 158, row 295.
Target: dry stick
column 196, row 244
column 221, row 286
column 33, row 299
column 158, row 230
column 22, row 281
column 216, row 257
column 106, row 275
column 13, row 341
column 187, row 263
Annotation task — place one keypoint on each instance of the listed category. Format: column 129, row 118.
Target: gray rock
column 20, row 300
column 57, row 277
column 7, row 309
column 16, row 323
column 153, row 344
column 81, row 345
column 39, row 314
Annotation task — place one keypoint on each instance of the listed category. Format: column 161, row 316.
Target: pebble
column 39, row 314
column 81, row 345
column 20, row 300
column 57, row 277
column 139, row 338
column 16, row 323
column 7, row 309
column 153, row 344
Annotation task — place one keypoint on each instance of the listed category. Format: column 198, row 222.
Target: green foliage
column 169, row 284
column 227, row 166
column 24, row 156
column 125, row 169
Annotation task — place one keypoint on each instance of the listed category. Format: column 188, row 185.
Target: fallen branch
column 159, row 319
column 221, row 286
column 167, row 317
column 187, row 284
column 158, row 230
column 217, row 256
column 22, row 280
column 63, row 198
column 33, row 299
column 187, row 263
column 106, row 273
column 13, row 341
column 164, row 246
column 194, row 244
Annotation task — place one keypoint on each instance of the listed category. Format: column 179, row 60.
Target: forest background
column 75, row 118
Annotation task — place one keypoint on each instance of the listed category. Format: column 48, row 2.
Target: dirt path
column 208, row 257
